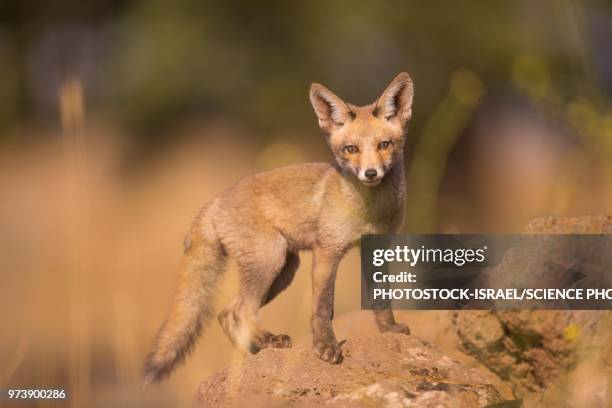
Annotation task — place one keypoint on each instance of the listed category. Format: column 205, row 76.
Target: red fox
column 266, row 219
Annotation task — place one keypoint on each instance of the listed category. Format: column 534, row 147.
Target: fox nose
column 370, row 173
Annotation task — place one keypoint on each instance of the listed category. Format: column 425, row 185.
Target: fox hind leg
column 262, row 266
column 284, row 278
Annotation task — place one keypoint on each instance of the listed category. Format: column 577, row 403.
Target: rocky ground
column 392, row 370
column 551, row 358
column 461, row 359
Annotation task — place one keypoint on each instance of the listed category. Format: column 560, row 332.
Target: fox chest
column 382, row 219
column 348, row 220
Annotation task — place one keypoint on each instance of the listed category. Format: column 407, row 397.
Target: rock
column 540, row 353
column 589, row 224
column 391, row 370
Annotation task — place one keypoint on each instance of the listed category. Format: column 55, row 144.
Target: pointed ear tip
column 405, row 76
column 315, row 89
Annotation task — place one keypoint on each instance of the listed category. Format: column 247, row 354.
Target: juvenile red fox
column 266, row 219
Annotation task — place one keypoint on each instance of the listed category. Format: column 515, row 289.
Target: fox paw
column 396, row 328
column 280, row 341
column 328, row 351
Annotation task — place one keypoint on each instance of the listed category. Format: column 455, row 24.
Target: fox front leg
column 385, row 321
column 324, row 269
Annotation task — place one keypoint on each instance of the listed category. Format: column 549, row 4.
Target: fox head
column 368, row 140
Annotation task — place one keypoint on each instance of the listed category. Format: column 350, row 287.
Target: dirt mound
column 391, row 370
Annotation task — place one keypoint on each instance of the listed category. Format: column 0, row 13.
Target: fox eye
column 351, row 149
column 384, row 145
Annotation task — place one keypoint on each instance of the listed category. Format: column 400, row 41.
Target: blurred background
column 119, row 119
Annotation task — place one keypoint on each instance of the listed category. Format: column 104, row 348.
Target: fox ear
column 396, row 100
column 331, row 111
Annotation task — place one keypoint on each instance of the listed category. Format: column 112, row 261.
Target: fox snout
column 371, row 176
column 369, row 168
column 371, row 162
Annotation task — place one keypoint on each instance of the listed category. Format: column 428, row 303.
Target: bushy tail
column 193, row 306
